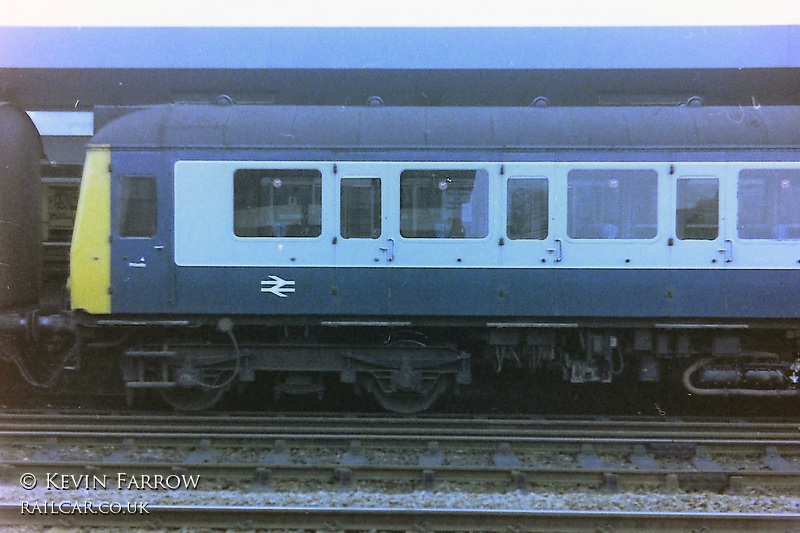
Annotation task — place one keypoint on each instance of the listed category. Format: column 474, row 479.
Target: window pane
column 697, row 215
column 444, row 204
column 768, row 204
column 527, row 208
column 612, row 204
column 277, row 203
column 361, row 208
column 138, row 208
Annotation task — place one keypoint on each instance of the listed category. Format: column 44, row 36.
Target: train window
column 697, row 210
column 444, row 204
column 527, row 208
column 361, row 208
column 768, row 200
column 612, row 204
column 138, row 208
column 277, row 203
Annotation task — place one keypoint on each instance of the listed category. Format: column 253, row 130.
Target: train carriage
column 396, row 246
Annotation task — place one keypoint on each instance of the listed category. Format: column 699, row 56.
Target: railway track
column 238, row 426
column 433, row 520
column 241, row 460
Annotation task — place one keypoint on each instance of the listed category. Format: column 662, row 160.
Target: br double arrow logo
column 277, row 286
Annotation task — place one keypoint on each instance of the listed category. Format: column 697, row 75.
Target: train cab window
column 361, row 208
column 612, row 204
column 138, row 207
column 444, row 204
column 768, row 200
column 697, row 210
column 277, row 203
column 527, row 209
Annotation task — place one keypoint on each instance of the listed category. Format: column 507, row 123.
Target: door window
column 361, row 208
column 697, row 210
column 138, row 208
column 527, row 209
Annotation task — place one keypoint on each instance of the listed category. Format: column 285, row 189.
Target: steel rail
column 407, row 477
column 227, row 423
column 671, row 444
column 404, row 519
column 676, row 438
column 36, row 425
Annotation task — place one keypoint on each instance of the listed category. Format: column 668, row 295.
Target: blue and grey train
column 395, row 248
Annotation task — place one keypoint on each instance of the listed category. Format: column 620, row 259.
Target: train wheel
column 410, row 402
column 193, row 399
column 199, row 388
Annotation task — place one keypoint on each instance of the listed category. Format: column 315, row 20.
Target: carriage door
column 529, row 241
column 697, row 242
column 141, row 250
column 362, row 247
column 697, row 238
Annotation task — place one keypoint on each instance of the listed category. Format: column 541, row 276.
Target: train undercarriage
column 193, row 365
column 404, row 376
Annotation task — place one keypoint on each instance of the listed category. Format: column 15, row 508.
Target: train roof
column 17, row 129
column 188, row 126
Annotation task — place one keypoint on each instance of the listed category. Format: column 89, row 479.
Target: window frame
column 126, row 215
column 680, row 230
column 618, row 181
column 376, row 184
column 299, row 219
column 444, row 183
column 545, row 228
column 776, row 227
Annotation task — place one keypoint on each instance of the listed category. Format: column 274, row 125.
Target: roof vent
column 540, row 101
column 694, row 101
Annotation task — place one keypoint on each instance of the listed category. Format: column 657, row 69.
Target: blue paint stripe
column 491, row 293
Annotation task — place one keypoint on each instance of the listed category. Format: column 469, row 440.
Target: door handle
column 389, row 249
column 556, row 251
column 727, row 251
